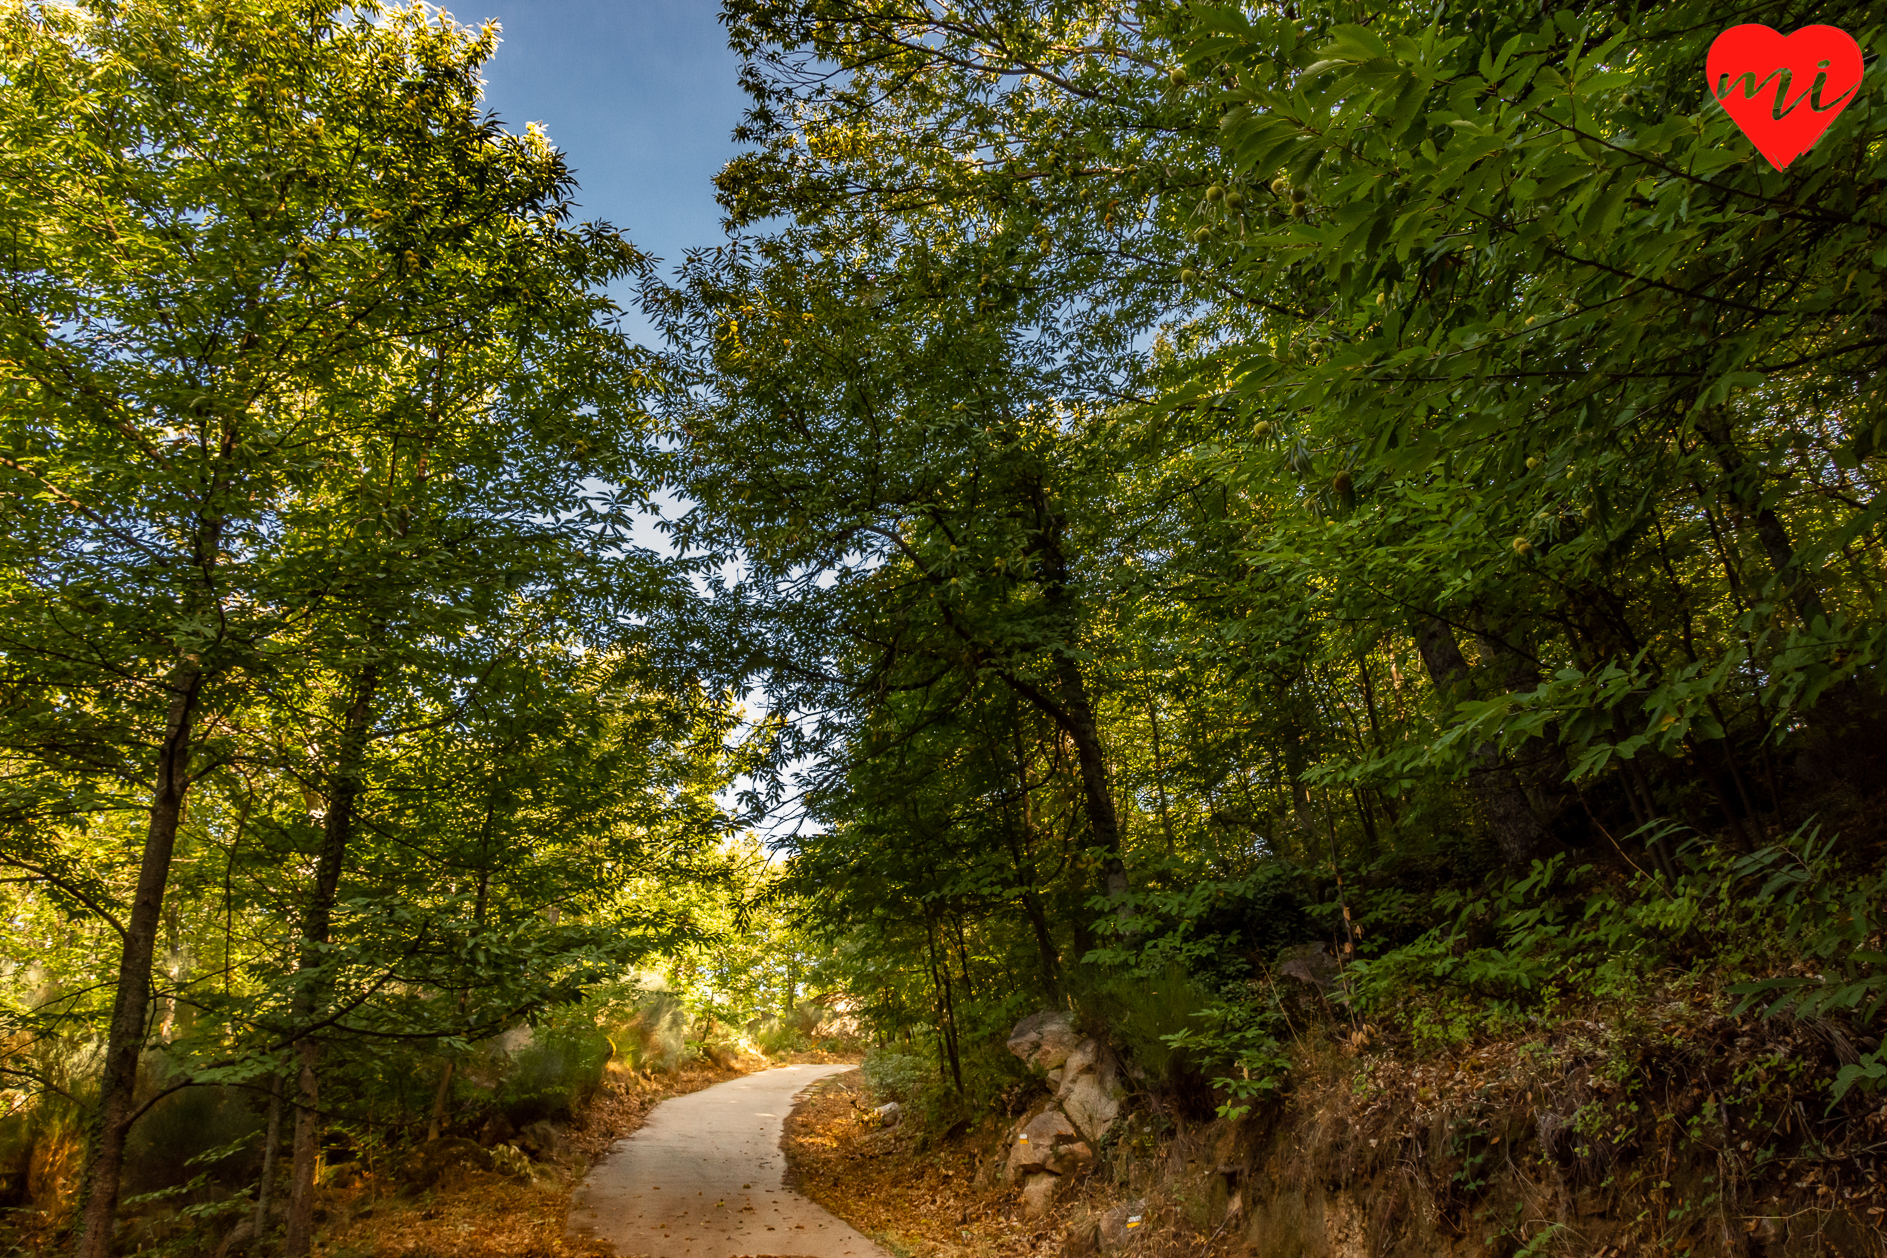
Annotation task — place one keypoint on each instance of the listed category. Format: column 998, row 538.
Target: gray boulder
column 1045, row 1039
column 543, row 1141
column 1082, row 1072
column 1309, row 963
column 1090, row 1090
column 1035, row 1145
column 1038, row 1195
column 1069, row 1158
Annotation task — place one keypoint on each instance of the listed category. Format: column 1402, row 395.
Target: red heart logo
column 1783, row 90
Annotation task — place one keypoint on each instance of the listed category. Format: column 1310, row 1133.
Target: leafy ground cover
column 489, row 1214
column 925, row 1198
column 918, row 1199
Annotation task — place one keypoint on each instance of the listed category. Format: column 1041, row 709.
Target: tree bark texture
column 1070, row 707
column 1079, row 724
column 337, row 827
column 946, row 1007
column 441, row 1095
column 124, row 1043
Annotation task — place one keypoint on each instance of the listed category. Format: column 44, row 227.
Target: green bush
column 654, row 1035
column 777, row 1035
column 560, row 1069
column 900, row 1077
column 1141, row 1013
column 1565, row 929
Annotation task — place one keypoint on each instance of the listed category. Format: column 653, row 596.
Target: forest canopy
column 1213, row 479
column 1186, row 487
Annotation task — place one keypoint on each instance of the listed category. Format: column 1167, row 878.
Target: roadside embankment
column 1679, row 1131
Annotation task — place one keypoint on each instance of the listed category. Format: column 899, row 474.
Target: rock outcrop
column 1090, row 1089
column 1045, row 1040
column 1040, row 1145
column 1059, row 1138
column 1121, row 1227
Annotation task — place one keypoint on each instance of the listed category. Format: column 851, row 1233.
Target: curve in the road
column 705, row 1178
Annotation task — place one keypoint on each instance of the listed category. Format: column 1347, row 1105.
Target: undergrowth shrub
column 1792, row 931
column 52, row 1088
column 1141, row 1010
column 559, row 1070
column 900, row 1077
column 167, row 1147
column 1214, row 1047
column 646, row 1027
column 42, row 1143
column 777, row 1035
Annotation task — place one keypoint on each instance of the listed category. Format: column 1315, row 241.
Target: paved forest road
column 705, row 1178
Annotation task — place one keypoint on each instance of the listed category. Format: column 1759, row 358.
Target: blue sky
column 642, row 96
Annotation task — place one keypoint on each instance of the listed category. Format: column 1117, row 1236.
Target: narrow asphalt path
column 705, row 1178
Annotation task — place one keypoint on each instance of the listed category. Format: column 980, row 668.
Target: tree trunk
column 337, row 827
column 265, row 1191
column 1074, row 717
column 1069, row 707
column 1079, row 724
column 963, row 955
column 1834, row 748
column 1044, row 940
column 946, row 1007
column 124, row 1043
column 1517, row 832
column 305, row 1151
column 1300, row 795
column 436, row 1124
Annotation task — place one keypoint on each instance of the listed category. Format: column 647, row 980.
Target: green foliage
column 1188, row 481
column 1566, row 933
column 1208, row 478
column 900, row 1077
column 655, row 1034
column 1247, row 1038
column 1832, row 922
column 559, row 1070
column 1142, row 1012
column 318, row 444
